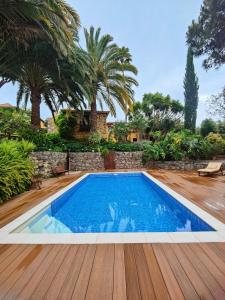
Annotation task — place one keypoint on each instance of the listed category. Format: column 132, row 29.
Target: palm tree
column 108, row 81
column 56, row 82
column 26, row 20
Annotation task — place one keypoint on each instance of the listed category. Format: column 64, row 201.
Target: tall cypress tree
column 190, row 93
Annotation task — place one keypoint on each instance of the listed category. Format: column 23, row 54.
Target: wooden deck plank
column 143, row 272
column 48, row 277
column 159, row 286
column 172, row 284
column 132, row 282
column 27, row 292
column 196, row 280
column 80, row 289
column 204, row 258
column 101, row 280
column 205, row 274
column 28, row 266
column 217, row 260
column 181, row 276
column 119, row 281
column 58, row 281
column 68, row 287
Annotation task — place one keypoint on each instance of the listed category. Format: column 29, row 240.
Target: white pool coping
column 7, row 236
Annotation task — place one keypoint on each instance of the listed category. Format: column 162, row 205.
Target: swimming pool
column 118, row 202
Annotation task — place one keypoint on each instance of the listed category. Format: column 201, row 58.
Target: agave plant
column 108, row 68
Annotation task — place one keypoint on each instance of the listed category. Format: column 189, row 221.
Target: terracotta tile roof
column 7, row 105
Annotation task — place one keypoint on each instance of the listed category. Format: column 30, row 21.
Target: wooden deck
column 129, row 271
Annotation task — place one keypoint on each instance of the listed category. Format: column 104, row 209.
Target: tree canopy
column 206, row 35
column 190, row 93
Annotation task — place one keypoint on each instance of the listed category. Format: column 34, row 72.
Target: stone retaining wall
column 95, row 161
column 128, row 160
column 45, row 160
column 86, row 161
column 178, row 165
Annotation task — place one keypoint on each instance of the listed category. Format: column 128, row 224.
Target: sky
column 154, row 31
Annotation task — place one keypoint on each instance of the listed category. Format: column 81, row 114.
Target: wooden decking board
column 132, row 281
column 18, row 280
column 172, row 284
column 28, row 290
column 181, row 276
column 48, row 277
column 205, row 274
column 158, row 283
column 211, row 266
column 69, row 285
column 196, row 280
column 118, row 272
column 80, row 288
column 119, row 280
column 101, row 280
column 217, row 260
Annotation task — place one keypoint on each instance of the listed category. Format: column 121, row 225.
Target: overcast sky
column 154, row 31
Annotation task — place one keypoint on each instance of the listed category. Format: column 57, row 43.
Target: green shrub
column 120, row 131
column 217, row 143
column 16, row 168
column 207, row 126
column 153, row 152
column 95, row 138
column 66, row 122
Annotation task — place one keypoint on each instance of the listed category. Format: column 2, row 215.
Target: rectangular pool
column 115, row 202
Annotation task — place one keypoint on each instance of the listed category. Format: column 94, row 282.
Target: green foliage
column 95, row 138
column 109, row 70
column 13, row 121
column 216, row 105
column 66, row 122
column 16, row 168
column 159, row 112
column 207, row 126
column 206, row 35
column 190, row 93
column 139, row 123
column 120, row 131
column 153, row 152
column 217, row 143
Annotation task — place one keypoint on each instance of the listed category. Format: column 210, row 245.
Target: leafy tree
column 66, row 122
column 207, row 126
column 206, row 35
column 13, row 122
column 161, row 112
column 108, row 68
column 120, row 131
column 217, row 104
column 190, row 93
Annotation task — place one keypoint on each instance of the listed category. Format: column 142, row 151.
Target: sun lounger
column 212, row 168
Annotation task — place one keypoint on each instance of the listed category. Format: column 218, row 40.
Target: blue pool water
column 116, row 203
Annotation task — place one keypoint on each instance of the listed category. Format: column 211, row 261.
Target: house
column 133, row 135
column 82, row 128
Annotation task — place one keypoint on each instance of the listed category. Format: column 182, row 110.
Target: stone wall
column 46, row 160
column 95, row 161
column 179, row 165
column 86, row 161
column 128, row 160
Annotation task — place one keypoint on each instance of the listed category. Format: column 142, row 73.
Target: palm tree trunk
column 35, row 108
column 93, row 115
